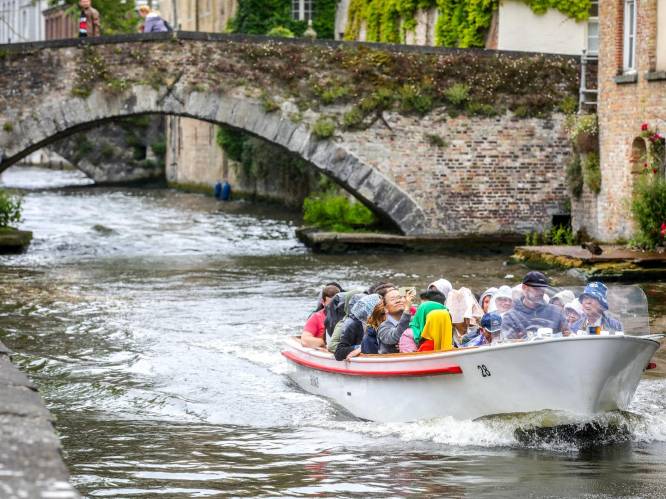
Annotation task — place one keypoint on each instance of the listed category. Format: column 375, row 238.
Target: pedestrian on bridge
column 88, row 20
column 153, row 23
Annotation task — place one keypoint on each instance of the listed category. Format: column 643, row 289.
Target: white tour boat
column 581, row 374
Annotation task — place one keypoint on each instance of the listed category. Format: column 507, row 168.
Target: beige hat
column 462, row 305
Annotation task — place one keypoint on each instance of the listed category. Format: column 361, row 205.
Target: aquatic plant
column 10, row 209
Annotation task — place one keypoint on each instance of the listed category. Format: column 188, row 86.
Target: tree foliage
column 116, row 16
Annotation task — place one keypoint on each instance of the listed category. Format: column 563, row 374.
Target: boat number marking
column 314, row 381
column 485, row 372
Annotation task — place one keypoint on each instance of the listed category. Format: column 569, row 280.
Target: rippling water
column 151, row 321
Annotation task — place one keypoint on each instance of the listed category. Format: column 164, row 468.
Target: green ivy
column 460, row 23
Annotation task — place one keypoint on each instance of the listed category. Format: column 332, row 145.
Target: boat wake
column 547, row 430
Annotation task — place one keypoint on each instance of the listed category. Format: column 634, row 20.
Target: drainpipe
column 196, row 16
column 174, row 7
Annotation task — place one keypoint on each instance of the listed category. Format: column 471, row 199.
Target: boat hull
column 581, row 375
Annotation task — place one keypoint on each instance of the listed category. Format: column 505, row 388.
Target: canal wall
column 31, row 462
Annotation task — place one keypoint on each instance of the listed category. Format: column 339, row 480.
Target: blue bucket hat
column 598, row 291
column 492, row 322
column 365, row 306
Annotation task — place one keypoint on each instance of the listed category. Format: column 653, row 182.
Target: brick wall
column 623, row 107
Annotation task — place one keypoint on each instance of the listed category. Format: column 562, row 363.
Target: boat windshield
column 626, row 303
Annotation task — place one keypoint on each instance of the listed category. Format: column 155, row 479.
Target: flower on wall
column 653, row 161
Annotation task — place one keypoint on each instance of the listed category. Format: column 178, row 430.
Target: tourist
column 573, row 311
column 465, row 314
column 441, row 285
column 351, row 299
column 89, row 24
column 433, row 295
column 314, row 329
column 531, row 312
column 398, row 316
column 153, row 22
column 562, row 298
column 411, row 338
column 491, row 327
column 370, row 343
column 353, row 328
column 437, row 333
column 502, row 300
column 485, row 298
column 595, row 306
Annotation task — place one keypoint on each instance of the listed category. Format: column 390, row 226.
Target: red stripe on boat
column 359, row 372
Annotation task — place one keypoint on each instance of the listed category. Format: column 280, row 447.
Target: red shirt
column 315, row 324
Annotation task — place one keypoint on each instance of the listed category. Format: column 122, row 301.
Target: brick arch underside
column 54, row 120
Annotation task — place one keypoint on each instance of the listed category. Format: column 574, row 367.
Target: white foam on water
column 548, row 430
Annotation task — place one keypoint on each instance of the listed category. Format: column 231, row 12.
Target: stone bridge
column 436, row 141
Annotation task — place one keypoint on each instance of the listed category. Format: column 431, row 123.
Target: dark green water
column 152, row 320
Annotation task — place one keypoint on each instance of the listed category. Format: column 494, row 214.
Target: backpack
column 335, row 311
column 167, row 25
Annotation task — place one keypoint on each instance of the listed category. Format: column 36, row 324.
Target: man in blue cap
column 595, row 304
column 491, row 327
column 532, row 312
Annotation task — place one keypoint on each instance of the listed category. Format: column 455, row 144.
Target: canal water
column 151, row 321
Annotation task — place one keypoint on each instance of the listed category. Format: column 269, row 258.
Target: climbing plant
column 460, row 23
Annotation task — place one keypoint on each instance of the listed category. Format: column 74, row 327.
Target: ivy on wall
column 258, row 17
column 460, row 23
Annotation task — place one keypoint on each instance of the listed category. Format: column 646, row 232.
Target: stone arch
column 51, row 121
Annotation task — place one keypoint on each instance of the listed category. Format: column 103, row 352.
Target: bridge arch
column 55, row 120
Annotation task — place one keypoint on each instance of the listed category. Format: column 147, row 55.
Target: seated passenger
column 441, row 286
column 562, row 298
column 351, row 298
column 353, row 328
column 531, row 311
column 573, row 311
column 465, row 314
column 595, row 305
column 437, row 334
column 502, row 301
column 314, row 329
column 485, row 298
column 370, row 343
column 411, row 338
column 397, row 320
column 491, row 327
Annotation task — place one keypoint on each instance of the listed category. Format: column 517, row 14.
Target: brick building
column 632, row 91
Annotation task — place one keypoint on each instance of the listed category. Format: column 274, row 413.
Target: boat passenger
column 433, row 295
column 353, row 327
column 485, row 298
column 381, row 288
column 411, row 338
column 531, row 311
column 465, row 314
column 321, row 294
column 441, row 285
column 437, row 334
column 370, row 343
column 398, row 316
column 562, row 298
column 314, row 329
column 595, row 307
column 491, row 327
column 573, row 311
column 351, row 299
column 502, row 301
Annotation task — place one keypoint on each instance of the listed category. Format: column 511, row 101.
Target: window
column 301, row 10
column 629, row 45
column 593, row 28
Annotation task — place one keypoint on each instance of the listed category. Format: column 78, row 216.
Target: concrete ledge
column 31, row 454
column 616, row 263
column 340, row 242
column 624, row 79
column 655, row 76
column 14, row 241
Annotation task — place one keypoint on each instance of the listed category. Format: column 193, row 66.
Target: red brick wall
column 623, row 107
